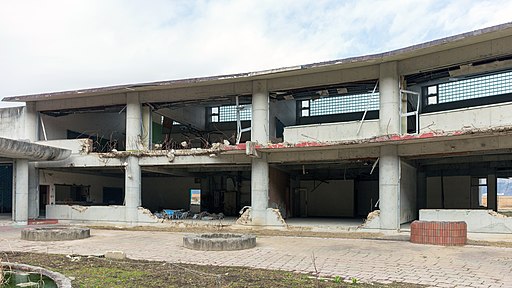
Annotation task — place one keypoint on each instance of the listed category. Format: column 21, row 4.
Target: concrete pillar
column 389, row 162
column 20, row 212
column 492, row 192
column 132, row 183
column 133, row 122
column 389, row 110
column 389, row 188
column 259, row 166
column 32, row 134
column 146, row 127
column 132, row 188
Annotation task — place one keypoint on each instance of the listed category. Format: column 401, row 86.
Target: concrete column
column 146, row 127
column 389, row 188
column 133, row 122
column 32, row 134
column 492, row 192
column 33, row 191
column 259, row 166
column 389, row 117
column 260, row 112
column 20, row 212
column 132, row 186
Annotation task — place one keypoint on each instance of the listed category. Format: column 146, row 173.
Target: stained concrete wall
column 167, row 192
column 457, row 191
column 484, row 221
column 95, row 182
column 279, row 191
column 480, row 117
column 332, row 199
column 12, row 123
column 408, row 211
column 331, row 132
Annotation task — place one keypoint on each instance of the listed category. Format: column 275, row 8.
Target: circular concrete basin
column 55, row 233
column 24, row 271
column 219, row 242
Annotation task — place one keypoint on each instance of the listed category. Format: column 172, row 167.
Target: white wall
column 408, row 210
column 96, row 182
column 12, row 123
column 103, row 125
column 167, row 192
column 86, row 214
column 481, row 117
column 331, row 132
column 480, row 221
column 332, row 199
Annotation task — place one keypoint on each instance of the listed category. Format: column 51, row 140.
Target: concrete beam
column 460, row 55
column 24, row 150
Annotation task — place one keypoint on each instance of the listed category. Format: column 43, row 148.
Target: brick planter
column 439, row 233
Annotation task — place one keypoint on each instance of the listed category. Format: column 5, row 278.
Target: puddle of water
column 23, row 279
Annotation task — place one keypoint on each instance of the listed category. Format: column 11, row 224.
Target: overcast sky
column 50, row 46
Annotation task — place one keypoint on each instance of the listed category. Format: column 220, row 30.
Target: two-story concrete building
column 420, row 132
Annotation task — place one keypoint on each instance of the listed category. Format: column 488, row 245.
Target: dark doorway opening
column 44, row 199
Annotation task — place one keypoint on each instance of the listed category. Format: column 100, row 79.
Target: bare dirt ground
column 101, row 272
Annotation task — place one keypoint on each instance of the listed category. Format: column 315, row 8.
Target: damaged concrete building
column 423, row 132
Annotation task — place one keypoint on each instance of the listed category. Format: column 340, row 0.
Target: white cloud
column 61, row 45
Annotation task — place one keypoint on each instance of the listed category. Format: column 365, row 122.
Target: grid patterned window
column 484, row 86
column 340, row 104
column 228, row 113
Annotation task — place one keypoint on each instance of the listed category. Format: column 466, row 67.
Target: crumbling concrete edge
column 372, row 221
column 272, row 218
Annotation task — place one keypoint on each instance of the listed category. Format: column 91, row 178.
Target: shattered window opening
column 340, row 104
column 478, row 87
column 228, row 113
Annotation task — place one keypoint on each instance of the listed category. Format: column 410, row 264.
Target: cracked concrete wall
column 330, row 132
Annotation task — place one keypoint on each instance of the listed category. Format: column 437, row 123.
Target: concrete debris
column 496, row 214
column 216, row 149
column 79, row 208
column 372, row 215
column 181, row 214
column 116, row 255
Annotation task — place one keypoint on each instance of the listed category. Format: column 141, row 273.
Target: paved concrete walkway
column 367, row 260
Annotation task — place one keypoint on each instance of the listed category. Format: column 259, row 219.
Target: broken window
column 340, row 104
column 467, row 89
column 228, row 113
